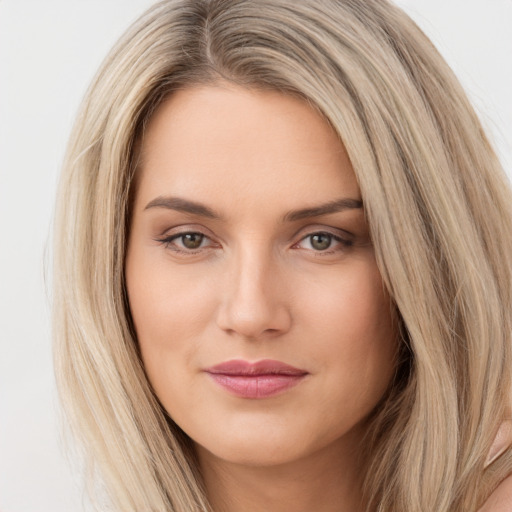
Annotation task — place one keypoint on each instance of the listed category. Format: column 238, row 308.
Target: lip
column 260, row 379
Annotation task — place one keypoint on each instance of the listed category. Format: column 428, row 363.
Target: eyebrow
column 335, row 206
column 185, row 205
column 182, row 205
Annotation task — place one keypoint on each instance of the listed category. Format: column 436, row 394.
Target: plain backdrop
column 49, row 51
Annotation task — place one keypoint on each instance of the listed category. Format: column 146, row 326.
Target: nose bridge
column 253, row 267
column 253, row 303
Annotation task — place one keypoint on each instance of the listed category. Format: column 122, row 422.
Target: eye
column 191, row 240
column 188, row 242
column 323, row 241
column 320, row 241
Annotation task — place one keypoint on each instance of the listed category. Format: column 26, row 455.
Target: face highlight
column 249, row 252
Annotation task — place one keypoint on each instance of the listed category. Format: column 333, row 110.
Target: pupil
column 321, row 241
column 192, row 240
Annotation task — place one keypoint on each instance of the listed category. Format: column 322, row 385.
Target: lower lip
column 256, row 386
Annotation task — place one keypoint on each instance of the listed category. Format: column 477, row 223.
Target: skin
column 258, row 287
column 501, row 498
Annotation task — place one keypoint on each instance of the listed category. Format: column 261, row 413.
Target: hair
column 437, row 202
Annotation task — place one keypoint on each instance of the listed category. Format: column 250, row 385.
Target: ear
column 502, row 441
column 501, row 499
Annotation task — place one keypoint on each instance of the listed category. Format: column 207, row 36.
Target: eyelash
column 343, row 242
column 169, row 243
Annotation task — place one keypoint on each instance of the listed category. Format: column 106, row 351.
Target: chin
column 271, row 443
column 253, row 453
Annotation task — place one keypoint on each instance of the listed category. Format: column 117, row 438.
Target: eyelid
column 181, row 229
column 315, row 229
column 169, row 235
column 342, row 241
column 341, row 236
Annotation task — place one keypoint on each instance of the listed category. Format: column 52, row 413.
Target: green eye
column 192, row 240
column 325, row 243
column 320, row 241
column 188, row 243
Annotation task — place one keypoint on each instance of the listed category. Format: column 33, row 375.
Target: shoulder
column 501, row 499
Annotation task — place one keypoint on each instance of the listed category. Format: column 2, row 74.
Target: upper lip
column 263, row 367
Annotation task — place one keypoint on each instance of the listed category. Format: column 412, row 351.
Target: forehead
column 214, row 143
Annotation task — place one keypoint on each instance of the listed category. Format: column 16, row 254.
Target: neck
column 326, row 481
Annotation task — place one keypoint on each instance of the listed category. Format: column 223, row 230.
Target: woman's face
column 261, row 316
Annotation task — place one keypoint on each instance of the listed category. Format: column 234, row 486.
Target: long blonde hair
column 437, row 202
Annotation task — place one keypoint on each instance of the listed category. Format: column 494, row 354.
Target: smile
column 261, row 379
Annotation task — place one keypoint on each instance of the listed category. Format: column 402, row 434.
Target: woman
column 281, row 267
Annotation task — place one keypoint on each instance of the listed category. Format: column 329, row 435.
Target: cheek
column 169, row 311
column 356, row 336
column 352, row 303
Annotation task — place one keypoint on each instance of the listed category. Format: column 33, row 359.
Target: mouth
column 261, row 379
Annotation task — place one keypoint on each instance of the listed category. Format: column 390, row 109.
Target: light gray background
column 49, row 51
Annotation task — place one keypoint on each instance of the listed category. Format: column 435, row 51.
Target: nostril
column 253, row 321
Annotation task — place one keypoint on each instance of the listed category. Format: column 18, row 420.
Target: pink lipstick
column 261, row 379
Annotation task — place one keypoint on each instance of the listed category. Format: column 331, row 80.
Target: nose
column 253, row 302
